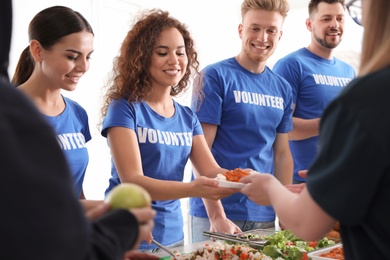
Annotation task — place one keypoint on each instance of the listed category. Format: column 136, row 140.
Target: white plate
column 233, row 184
column 230, row 184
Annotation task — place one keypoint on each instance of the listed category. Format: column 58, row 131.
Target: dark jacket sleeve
column 42, row 218
column 113, row 234
column 5, row 36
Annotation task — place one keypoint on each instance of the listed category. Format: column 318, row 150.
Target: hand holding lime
column 127, row 196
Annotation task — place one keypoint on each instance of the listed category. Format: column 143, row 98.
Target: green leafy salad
column 285, row 245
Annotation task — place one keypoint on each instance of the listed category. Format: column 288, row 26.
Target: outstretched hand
column 297, row 188
column 256, row 188
column 302, row 173
column 207, row 188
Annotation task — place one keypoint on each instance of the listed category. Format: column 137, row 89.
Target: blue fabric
column 165, row 145
column 249, row 109
column 315, row 82
column 72, row 130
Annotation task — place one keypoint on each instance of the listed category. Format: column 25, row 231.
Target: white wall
column 213, row 24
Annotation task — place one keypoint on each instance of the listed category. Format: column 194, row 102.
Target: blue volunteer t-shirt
column 315, row 82
column 165, row 146
column 249, row 109
column 72, row 130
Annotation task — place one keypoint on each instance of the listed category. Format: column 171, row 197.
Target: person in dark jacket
column 41, row 216
column 5, row 39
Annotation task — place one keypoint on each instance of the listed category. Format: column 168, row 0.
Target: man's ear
column 36, row 50
column 309, row 24
column 240, row 27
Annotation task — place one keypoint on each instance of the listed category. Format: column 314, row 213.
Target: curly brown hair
column 130, row 76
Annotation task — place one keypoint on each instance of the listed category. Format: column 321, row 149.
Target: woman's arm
column 127, row 158
column 204, row 164
column 298, row 212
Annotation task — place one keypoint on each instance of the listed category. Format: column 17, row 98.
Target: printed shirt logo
column 71, row 141
column 148, row 135
column 331, row 80
column 258, row 99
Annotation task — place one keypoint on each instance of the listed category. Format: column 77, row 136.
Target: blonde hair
column 375, row 53
column 280, row 6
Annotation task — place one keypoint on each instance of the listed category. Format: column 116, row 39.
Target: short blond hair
column 280, row 6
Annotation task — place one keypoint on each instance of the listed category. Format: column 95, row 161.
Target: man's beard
column 326, row 44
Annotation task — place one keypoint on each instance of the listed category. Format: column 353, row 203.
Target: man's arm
column 304, row 128
column 283, row 161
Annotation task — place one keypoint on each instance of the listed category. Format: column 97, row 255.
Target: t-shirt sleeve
column 209, row 109
column 286, row 125
column 87, row 132
column 197, row 127
column 339, row 180
column 287, row 70
column 119, row 113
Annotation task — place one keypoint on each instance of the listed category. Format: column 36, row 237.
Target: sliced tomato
column 313, row 244
column 244, row 256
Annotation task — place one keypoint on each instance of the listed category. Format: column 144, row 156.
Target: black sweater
column 41, row 218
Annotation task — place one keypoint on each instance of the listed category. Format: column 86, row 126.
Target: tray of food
column 221, row 250
column 328, row 253
column 260, row 244
column 256, row 244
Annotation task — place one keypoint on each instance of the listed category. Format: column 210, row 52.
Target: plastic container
column 315, row 255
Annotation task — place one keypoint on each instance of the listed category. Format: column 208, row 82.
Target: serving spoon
column 166, row 249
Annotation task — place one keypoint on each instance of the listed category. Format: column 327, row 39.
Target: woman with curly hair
column 151, row 136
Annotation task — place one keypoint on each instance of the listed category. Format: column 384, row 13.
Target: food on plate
column 335, row 253
column 331, row 252
column 233, row 175
column 334, row 235
column 288, row 246
column 220, row 250
column 285, row 245
column 127, row 196
column 282, row 245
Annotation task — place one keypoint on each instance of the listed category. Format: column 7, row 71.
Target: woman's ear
column 36, row 50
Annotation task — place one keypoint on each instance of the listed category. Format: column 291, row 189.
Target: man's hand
column 224, row 226
column 297, row 188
